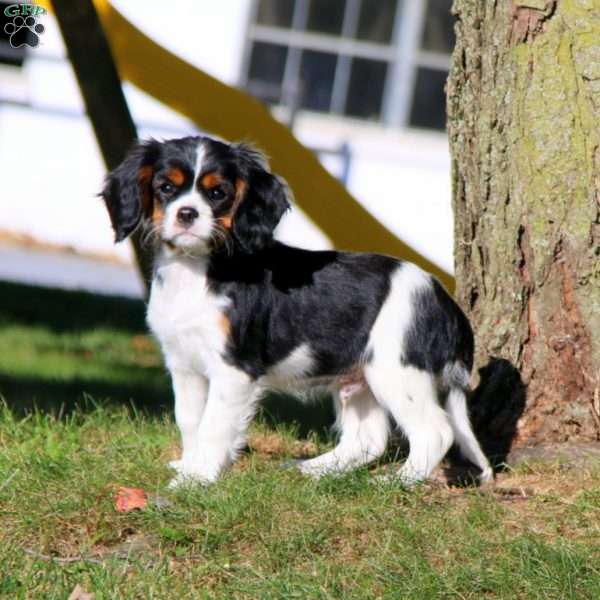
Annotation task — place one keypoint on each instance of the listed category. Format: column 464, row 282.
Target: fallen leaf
column 79, row 593
column 130, row 499
column 142, row 343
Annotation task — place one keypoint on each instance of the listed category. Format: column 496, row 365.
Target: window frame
column 404, row 56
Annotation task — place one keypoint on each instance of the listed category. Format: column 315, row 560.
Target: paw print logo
column 24, row 31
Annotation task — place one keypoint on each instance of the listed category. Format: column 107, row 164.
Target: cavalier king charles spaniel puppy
column 237, row 312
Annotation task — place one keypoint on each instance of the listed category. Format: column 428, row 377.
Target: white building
column 365, row 75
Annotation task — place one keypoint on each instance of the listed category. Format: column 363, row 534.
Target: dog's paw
column 301, row 466
column 304, row 467
column 184, row 480
column 309, row 469
column 486, row 476
column 318, row 469
column 176, row 465
column 288, row 465
column 403, row 478
column 192, row 473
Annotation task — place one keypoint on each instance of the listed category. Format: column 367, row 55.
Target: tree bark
column 524, row 127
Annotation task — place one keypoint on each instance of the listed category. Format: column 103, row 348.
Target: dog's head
column 197, row 195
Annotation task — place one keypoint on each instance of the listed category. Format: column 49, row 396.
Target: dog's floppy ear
column 265, row 201
column 127, row 189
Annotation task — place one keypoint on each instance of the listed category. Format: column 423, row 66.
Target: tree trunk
column 524, row 127
column 103, row 95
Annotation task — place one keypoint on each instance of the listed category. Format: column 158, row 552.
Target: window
column 266, row 71
column 432, row 62
column 429, row 100
column 328, row 56
column 380, row 60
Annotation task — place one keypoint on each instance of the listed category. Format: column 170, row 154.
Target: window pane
column 365, row 90
column 317, row 71
column 326, row 16
column 438, row 34
column 376, row 20
column 278, row 13
column 429, row 100
column 265, row 73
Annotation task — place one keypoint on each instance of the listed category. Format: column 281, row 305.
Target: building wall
column 52, row 167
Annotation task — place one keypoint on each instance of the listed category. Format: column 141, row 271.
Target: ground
column 87, row 409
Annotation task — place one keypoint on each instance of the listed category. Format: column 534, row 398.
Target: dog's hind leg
column 456, row 406
column 364, row 430
column 410, row 395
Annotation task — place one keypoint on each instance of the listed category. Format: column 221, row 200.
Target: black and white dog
column 237, row 312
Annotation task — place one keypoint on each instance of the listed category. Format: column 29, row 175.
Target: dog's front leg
column 191, row 390
column 229, row 408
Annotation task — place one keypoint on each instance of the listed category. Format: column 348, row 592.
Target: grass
column 87, row 408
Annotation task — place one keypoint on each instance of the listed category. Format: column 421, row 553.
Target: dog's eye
column 216, row 193
column 167, row 188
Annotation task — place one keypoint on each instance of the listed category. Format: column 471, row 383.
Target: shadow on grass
column 495, row 405
column 72, row 312
column 68, row 311
column 314, row 418
column 24, row 395
column 61, row 311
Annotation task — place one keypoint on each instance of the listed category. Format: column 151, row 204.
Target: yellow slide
column 230, row 113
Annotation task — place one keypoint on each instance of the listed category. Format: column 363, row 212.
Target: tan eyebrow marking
column 176, row 176
column 211, row 180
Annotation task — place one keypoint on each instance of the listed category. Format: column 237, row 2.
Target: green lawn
column 87, row 408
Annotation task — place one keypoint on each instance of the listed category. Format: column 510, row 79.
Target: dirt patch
column 570, row 455
column 273, row 445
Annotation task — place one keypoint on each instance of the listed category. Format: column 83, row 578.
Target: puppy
column 237, row 312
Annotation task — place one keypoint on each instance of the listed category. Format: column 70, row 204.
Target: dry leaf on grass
column 142, row 343
column 80, row 594
column 127, row 499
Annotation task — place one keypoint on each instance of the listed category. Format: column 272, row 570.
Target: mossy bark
column 524, row 127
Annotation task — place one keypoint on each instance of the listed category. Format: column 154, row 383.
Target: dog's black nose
column 186, row 215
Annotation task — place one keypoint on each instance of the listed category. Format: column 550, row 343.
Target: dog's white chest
column 186, row 317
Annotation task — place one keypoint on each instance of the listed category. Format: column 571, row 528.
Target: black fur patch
column 440, row 332
column 282, row 297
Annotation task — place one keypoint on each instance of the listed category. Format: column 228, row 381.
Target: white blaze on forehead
column 192, row 197
column 200, row 158
column 199, row 232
